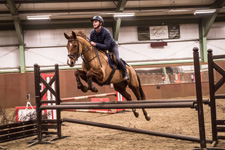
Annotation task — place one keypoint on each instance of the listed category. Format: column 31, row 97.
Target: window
column 174, row 31
column 143, row 33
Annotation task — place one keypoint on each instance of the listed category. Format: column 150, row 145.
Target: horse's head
column 73, row 47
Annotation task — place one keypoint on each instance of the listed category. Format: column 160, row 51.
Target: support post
column 38, row 100
column 202, row 42
column 212, row 96
column 199, row 98
column 58, row 101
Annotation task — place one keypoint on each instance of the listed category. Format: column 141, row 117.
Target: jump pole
column 119, row 106
column 88, row 96
column 135, row 130
column 108, row 111
column 205, row 101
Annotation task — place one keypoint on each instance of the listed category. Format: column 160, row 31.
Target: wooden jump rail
column 137, row 104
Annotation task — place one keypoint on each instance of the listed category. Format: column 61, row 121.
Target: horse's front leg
column 89, row 81
column 80, row 74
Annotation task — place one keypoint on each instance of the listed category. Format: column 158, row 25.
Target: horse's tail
column 140, row 89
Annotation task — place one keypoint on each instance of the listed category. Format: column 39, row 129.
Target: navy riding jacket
column 103, row 39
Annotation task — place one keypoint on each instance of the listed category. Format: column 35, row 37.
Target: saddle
column 112, row 60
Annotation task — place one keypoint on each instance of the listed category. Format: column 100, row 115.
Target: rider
column 101, row 38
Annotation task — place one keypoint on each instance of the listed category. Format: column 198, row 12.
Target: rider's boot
column 123, row 68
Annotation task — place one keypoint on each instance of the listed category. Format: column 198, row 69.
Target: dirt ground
column 83, row 137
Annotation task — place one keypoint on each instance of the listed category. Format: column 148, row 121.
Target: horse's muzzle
column 70, row 62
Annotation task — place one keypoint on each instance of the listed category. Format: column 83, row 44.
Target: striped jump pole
column 88, row 96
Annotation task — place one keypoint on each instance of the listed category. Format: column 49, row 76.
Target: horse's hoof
column 136, row 114
column 84, row 89
column 79, row 86
column 147, row 117
column 94, row 89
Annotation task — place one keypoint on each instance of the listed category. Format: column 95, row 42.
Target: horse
column 96, row 68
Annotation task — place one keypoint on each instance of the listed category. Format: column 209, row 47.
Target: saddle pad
column 112, row 64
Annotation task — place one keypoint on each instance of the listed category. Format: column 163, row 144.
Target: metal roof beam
column 16, row 19
column 121, row 5
column 109, row 21
column 208, row 21
column 104, row 9
column 205, row 26
column 116, row 27
column 218, row 4
column 19, row 32
column 59, row 1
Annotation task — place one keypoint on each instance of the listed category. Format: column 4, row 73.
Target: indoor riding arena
column 112, row 74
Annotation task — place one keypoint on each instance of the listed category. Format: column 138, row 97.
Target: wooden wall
column 15, row 86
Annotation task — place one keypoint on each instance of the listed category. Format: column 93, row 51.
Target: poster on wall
column 159, row 32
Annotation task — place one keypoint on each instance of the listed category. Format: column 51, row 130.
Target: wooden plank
column 220, row 122
column 19, row 135
column 49, row 126
column 17, row 124
column 18, row 129
column 48, row 121
column 220, row 129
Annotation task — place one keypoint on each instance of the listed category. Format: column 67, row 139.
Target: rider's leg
column 121, row 65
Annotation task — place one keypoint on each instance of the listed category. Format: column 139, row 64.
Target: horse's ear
column 74, row 35
column 66, row 36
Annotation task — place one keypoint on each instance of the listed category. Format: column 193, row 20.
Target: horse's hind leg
column 137, row 93
column 121, row 88
column 80, row 74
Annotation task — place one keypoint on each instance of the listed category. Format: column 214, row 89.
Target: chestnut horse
column 96, row 68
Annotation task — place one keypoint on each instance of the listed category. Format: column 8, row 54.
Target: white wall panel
column 44, row 38
column 137, row 52
column 189, row 31
column 217, row 31
column 128, row 34
column 8, row 37
column 46, row 56
column 38, row 46
column 9, row 57
column 218, row 46
column 37, row 38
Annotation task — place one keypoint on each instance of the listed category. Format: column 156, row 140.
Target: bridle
column 75, row 56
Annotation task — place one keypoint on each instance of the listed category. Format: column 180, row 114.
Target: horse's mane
column 80, row 33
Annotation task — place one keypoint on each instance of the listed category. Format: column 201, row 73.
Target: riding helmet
column 99, row 18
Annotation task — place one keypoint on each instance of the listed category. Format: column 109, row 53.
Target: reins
column 77, row 55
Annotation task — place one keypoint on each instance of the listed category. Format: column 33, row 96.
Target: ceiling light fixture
column 123, row 14
column 204, row 11
column 120, row 14
column 41, row 17
column 177, row 10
